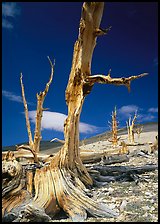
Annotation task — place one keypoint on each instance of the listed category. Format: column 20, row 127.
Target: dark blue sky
column 33, row 30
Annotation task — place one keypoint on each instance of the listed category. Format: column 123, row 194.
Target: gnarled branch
column 115, row 81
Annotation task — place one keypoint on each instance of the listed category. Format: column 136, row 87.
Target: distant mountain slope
column 47, row 145
column 44, row 145
column 151, row 126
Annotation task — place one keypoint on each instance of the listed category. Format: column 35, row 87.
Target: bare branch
column 134, row 119
column 115, row 81
column 26, row 113
column 40, row 109
column 51, row 77
column 27, row 147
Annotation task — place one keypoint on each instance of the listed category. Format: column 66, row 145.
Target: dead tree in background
column 62, row 183
column 34, row 145
column 139, row 130
column 130, row 128
column 114, row 124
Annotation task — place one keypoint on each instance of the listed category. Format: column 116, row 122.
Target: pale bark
column 114, row 128
column 26, row 114
column 40, row 109
column 115, row 81
column 31, row 149
column 130, row 128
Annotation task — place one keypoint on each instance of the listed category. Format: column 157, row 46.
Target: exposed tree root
column 75, row 201
column 55, row 189
column 67, row 192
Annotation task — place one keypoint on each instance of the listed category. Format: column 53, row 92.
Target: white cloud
column 153, row 110
column 55, row 121
column 9, row 11
column 11, row 96
column 87, row 128
column 127, row 110
column 145, row 117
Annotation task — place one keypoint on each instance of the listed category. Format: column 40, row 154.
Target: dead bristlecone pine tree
column 63, row 184
column 114, row 125
column 139, row 130
column 130, row 127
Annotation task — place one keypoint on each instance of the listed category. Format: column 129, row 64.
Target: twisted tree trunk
column 62, row 183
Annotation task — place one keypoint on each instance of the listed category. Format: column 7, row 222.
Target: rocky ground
column 136, row 201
